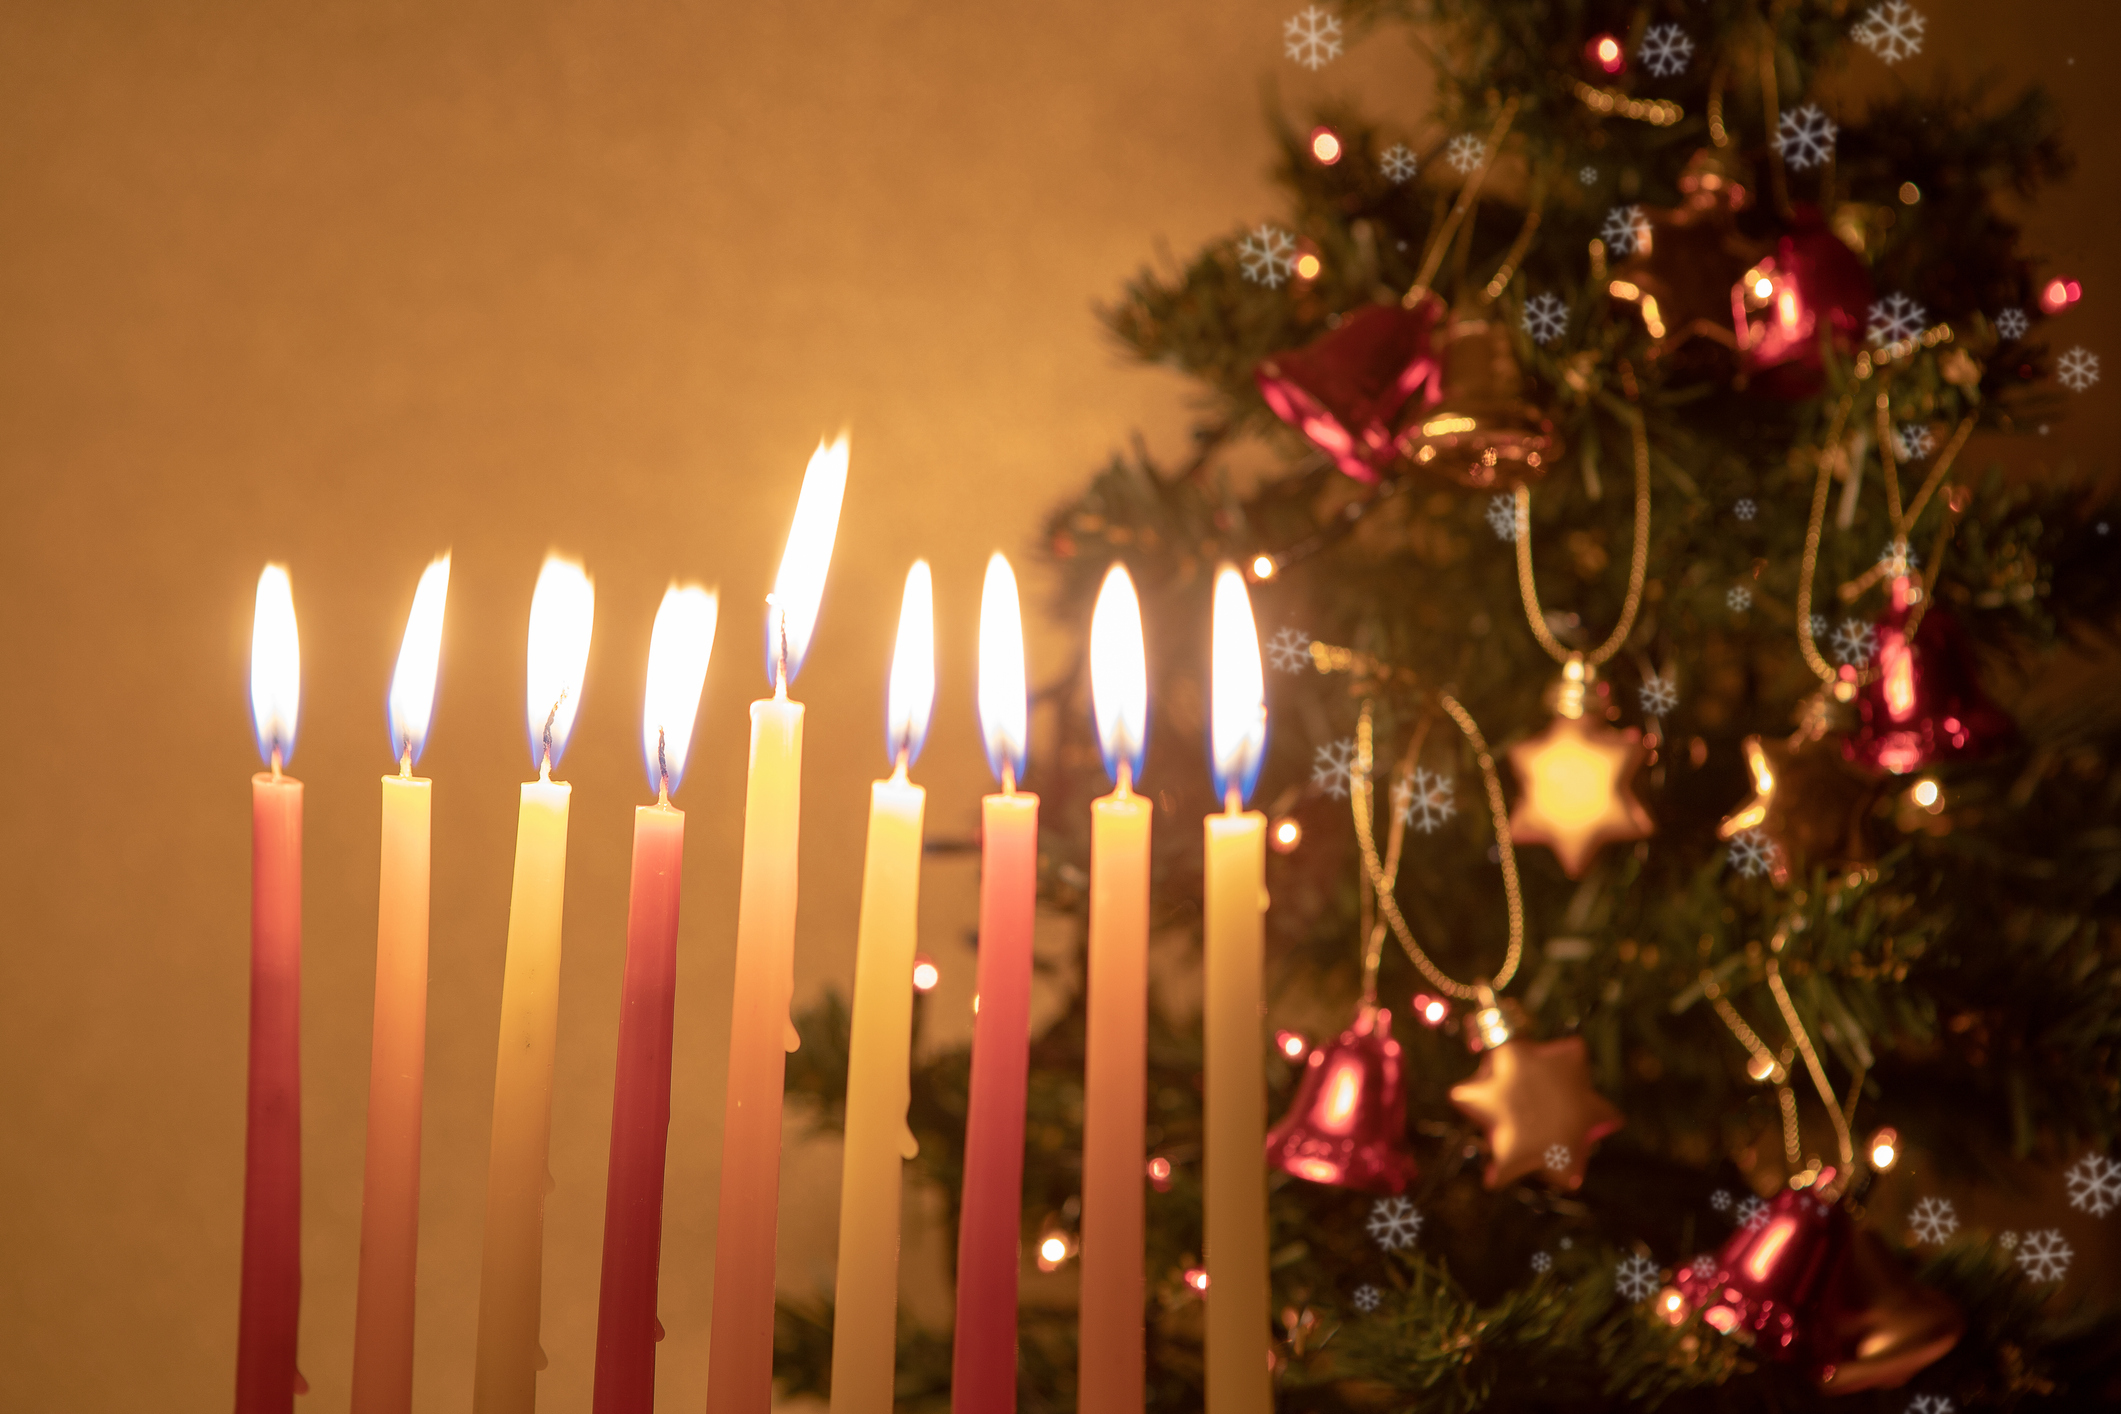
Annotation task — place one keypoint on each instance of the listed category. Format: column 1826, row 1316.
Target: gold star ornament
column 1810, row 804
column 1577, row 794
column 1534, row 1099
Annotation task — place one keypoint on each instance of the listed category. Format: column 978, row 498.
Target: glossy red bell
column 1351, row 390
column 1348, row 1123
column 1812, row 285
column 1766, row 1278
column 1925, row 704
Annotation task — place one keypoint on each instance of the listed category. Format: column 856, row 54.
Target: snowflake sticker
column 1930, row 1404
column 1546, row 318
column 1333, row 767
column 1740, row 598
column 1424, row 800
column 1746, row 508
column 1465, row 152
column 1502, row 517
column 1556, row 1157
column 1896, row 318
column 1705, row 1267
column 1541, row 1262
column 1721, row 1200
column 1587, row 175
column 1289, row 650
column 1398, row 163
column 1892, row 31
column 1914, row 442
column 2094, row 1184
column 2078, row 369
column 1897, row 557
column 1367, row 1298
column 1636, row 1278
column 1659, row 695
column 1752, row 1212
column 2012, row 323
column 2044, row 1255
column 1626, row 230
column 2008, row 1241
column 1854, row 642
column 1665, row 51
column 1753, row 854
column 1265, row 256
column 1933, row 1220
column 1311, row 38
column 1805, row 138
column 1394, row 1223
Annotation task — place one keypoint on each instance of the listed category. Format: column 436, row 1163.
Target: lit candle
column 1235, row 1171
column 505, row 1380
column 1110, row 1374
column 266, row 1378
column 397, row 1057
column 627, row 1329
column 983, row 1359
column 865, row 1306
column 740, row 1347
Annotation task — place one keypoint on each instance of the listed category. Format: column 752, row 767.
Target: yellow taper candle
column 1234, row 923
column 865, row 1306
column 740, row 1345
column 1110, row 1372
column 505, row 1380
column 390, row 1187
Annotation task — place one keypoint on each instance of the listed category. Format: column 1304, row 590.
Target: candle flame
column 561, row 611
column 1119, row 674
column 412, row 686
column 1238, row 690
column 791, row 610
column 1003, row 696
column 275, row 667
column 678, row 649
column 910, row 699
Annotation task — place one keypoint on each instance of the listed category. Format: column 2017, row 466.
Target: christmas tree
column 1675, row 731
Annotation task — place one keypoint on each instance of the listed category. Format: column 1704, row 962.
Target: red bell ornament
column 1770, row 1272
column 1925, row 703
column 1353, row 389
column 1812, row 288
column 1348, row 1123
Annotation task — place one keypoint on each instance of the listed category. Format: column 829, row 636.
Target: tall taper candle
column 511, row 1271
column 865, row 1305
column 740, row 1345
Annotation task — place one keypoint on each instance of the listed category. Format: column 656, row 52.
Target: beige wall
column 345, row 284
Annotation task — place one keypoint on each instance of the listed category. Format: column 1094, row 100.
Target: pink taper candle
column 627, row 1329
column 740, row 1345
column 983, row 1358
column 271, row 1302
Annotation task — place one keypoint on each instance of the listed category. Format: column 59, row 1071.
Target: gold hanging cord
column 1766, row 1066
column 1638, row 562
column 1440, row 242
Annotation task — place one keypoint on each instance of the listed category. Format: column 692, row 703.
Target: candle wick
column 405, row 761
column 1008, row 777
column 905, row 759
column 276, row 761
column 545, row 760
column 1124, row 786
column 662, row 768
column 1233, row 803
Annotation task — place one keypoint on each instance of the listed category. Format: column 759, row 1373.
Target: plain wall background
column 343, row 285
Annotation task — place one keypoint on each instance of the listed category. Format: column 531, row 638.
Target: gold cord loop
column 1638, row 563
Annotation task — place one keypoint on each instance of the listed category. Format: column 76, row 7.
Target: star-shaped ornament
column 1578, row 790
column 1814, row 806
column 1535, row 1100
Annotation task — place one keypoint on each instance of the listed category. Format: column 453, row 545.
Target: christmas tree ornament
column 1680, row 274
column 1812, row 287
column 1924, row 704
column 1534, row 1099
column 1809, row 802
column 1481, row 431
column 1352, row 390
column 1347, row 1125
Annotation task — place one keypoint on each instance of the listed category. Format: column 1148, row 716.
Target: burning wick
column 544, row 764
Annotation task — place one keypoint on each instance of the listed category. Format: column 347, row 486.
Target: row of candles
column 740, row 1369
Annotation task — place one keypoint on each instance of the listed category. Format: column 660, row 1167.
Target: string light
column 925, row 975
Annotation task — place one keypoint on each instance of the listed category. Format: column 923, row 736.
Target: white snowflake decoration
column 1805, row 137
column 1367, row 1298
column 1394, row 1222
column 1587, row 175
column 1930, row 1404
column 1311, row 38
column 1721, row 1200
column 2012, row 323
column 1818, row 626
column 1465, row 152
column 1665, row 51
column 2009, row 1241
column 1752, row 1212
column 1398, row 164
column 1546, row 318
column 1752, row 854
column 1333, row 767
column 1893, row 31
column 2078, row 369
column 1541, row 1262
column 1897, row 550
column 1424, row 800
column 2094, row 1184
column 1659, row 695
column 1896, row 318
column 1915, row 441
column 2044, row 1255
column 1557, row 1157
column 1636, row 1278
column 1502, row 517
column 1934, row 1220
column 1289, row 650
column 1266, row 255
column 1746, row 508
column 1854, row 642
column 1626, row 230
column 1740, row 598
column 1704, row 1266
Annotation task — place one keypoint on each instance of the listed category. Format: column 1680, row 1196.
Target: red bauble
column 1925, row 704
column 1348, row 1123
column 1770, row 1272
column 1813, row 286
column 1353, row 389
